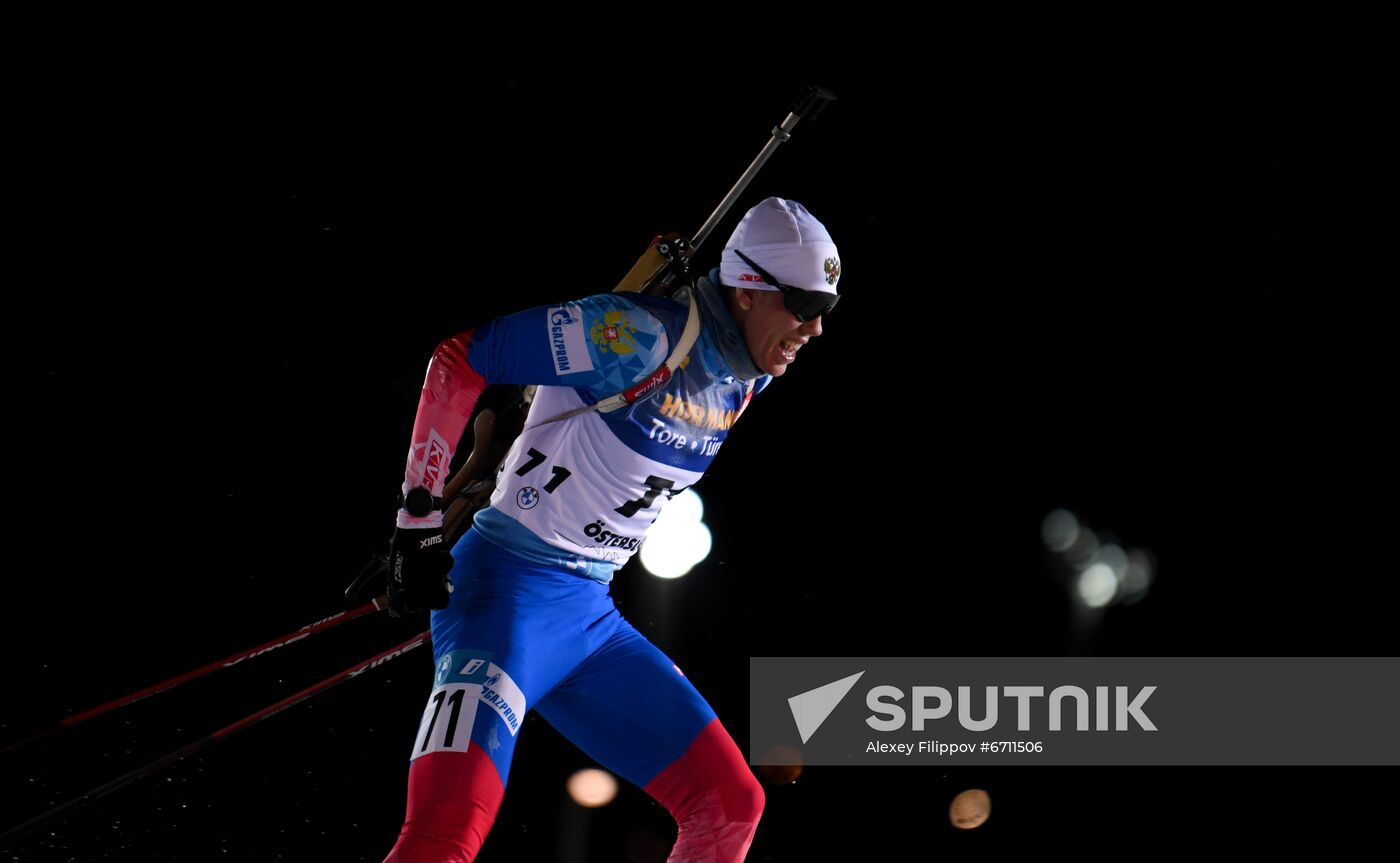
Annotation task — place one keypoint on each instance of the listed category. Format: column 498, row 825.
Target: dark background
column 1134, row 293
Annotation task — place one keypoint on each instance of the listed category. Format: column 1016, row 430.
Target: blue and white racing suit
column 530, row 625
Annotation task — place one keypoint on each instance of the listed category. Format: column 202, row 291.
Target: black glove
column 418, row 566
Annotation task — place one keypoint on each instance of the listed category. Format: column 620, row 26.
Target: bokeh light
column 679, row 539
column 1059, row 530
column 592, row 788
column 1097, row 585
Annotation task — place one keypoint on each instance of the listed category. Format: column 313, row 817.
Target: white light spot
column 673, row 553
column 684, row 507
column 679, row 539
column 1059, row 530
column 592, row 787
column 1097, row 585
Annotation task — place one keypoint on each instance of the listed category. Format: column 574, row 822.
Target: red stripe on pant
column 714, row 798
column 453, row 798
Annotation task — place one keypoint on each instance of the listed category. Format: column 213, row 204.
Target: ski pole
column 186, row 751
column 233, row 659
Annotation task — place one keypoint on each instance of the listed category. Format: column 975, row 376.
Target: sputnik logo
column 811, row 708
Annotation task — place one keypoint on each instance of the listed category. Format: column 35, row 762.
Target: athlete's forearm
column 450, row 391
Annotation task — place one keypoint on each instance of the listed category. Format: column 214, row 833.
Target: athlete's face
column 773, row 335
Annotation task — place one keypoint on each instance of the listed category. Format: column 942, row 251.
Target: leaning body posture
column 523, row 620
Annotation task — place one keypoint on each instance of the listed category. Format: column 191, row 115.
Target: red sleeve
column 450, row 391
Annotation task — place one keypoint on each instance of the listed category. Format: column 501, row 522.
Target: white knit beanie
column 787, row 241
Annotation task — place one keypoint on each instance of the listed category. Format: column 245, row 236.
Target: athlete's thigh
column 629, row 707
column 502, row 642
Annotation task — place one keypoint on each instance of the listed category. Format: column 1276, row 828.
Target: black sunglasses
column 805, row 305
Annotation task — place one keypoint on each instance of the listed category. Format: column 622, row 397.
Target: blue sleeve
column 603, row 344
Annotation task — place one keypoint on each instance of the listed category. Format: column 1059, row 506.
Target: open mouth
column 788, row 348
